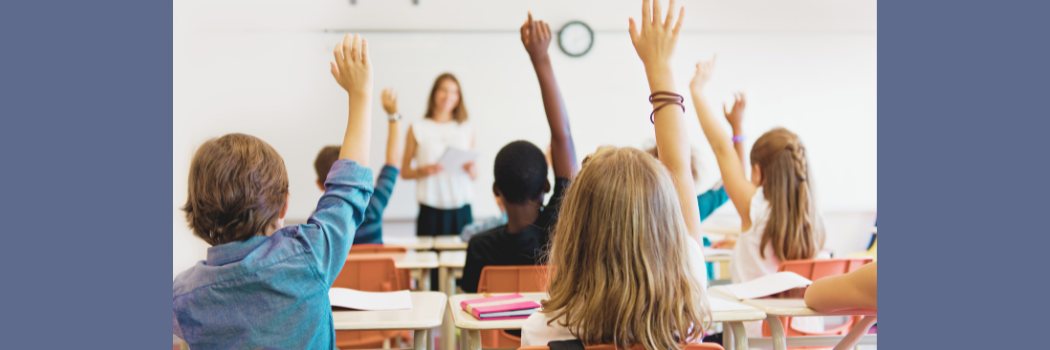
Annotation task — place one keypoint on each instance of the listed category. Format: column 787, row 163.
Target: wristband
column 738, row 139
column 393, row 117
column 671, row 99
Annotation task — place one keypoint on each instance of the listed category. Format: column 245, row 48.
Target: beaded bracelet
column 738, row 139
column 671, row 98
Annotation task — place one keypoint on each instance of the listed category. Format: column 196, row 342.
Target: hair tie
column 669, row 97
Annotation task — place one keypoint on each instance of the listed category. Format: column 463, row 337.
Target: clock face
column 575, row 39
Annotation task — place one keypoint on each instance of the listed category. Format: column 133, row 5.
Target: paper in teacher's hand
column 454, row 158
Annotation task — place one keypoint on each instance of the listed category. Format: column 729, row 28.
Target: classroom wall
column 261, row 68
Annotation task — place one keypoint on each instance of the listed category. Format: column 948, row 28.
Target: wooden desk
column 449, row 243
column 413, row 260
column 730, row 312
column 426, row 314
column 449, row 261
column 412, row 243
column 776, row 308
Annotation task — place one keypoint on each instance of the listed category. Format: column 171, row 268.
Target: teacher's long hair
column 459, row 114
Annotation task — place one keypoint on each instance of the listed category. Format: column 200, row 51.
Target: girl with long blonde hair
column 626, row 266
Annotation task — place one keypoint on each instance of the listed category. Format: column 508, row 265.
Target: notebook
column 368, row 301
column 505, row 307
column 764, row 286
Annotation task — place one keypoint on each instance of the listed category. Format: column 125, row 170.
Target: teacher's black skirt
column 441, row 222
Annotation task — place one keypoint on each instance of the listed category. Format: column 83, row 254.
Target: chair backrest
column 705, row 346
column 513, row 279
column 824, row 268
column 369, row 274
column 377, row 249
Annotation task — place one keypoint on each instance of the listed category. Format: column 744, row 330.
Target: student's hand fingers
column 724, row 110
column 525, row 30
column 335, row 71
column 633, row 30
column 546, row 31
column 339, row 57
column 355, row 54
column 657, row 12
column 647, row 14
column 348, row 45
column 743, row 100
column 668, row 22
column 678, row 26
column 364, row 52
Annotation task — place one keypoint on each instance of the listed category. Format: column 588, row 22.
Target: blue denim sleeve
column 329, row 233
column 384, row 188
column 175, row 329
column 711, row 200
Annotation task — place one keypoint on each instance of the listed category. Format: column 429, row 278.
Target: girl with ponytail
column 780, row 221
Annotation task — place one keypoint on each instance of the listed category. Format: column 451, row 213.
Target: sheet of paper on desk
column 454, row 158
column 766, row 285
column 368, row 301
column 722, row 305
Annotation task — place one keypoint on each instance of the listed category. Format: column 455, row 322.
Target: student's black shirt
column 498, row 247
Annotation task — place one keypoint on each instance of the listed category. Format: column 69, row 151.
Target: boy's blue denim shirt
column 272, row 292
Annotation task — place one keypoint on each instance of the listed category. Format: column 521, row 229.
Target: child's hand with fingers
column 389, row 98
column 735, row 116
column 536, row 36
column 352, row 69
column 656, row 41
column 704, row 71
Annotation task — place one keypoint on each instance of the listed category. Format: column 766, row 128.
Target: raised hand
column 704, row 71
column 735, row 116
column 389, row 97
column 656, row 41
column 352, row 69
column 536, row 36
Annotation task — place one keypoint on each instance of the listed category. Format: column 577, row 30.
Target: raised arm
column 393, row 154
column 735, row 117
column 536, row 36
column 353, row 71
column 739, row 189
column 655, row 45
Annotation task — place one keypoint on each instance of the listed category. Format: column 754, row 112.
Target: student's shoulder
column 488, row 235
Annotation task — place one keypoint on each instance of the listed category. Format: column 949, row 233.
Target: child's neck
column 521, row 216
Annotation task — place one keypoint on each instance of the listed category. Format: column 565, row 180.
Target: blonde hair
column 794, row 227
column 459, row 114
column 620, row 273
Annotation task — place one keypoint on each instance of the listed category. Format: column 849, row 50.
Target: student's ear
column 495, row 190
column 320, row 185
column 284, row 211
column 756, row 175
column 546, row 187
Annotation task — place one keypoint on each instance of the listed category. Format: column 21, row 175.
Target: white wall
column 261, row 68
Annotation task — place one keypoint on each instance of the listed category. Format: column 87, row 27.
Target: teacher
column 444, row 194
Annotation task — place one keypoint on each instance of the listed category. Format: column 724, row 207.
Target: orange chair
column 815, row 270
column 369, row 274
column 377, row 249
column 509, row 279
column 637, row 347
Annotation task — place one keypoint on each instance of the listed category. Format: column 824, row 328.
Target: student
column 484, row 225
column 856, row 290
column 371, row 230
column 780, row 221
column 779, row 218
column 263, row 285
column 444, row 195
column 621, row 271
column 521, row 178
